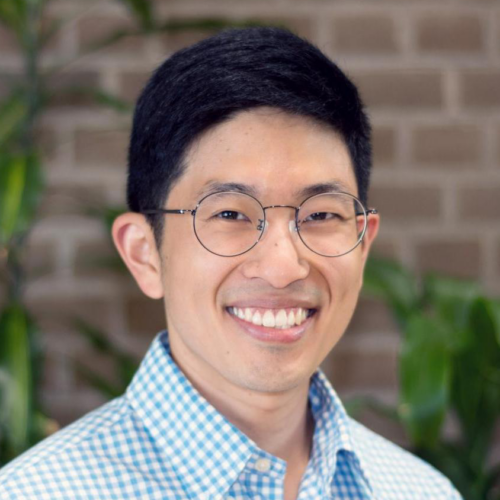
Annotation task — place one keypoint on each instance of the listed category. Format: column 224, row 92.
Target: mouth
column 272, row 318
column 281, row 325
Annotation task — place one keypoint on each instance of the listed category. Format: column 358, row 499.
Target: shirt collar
column 332, row 435
column 206, row 450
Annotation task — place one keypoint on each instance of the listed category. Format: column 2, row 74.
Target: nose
column 277, row 257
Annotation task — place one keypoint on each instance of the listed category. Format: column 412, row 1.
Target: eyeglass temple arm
column 369, row 211
column 165, row 211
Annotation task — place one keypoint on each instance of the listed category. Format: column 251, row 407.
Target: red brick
column 384, row 146
column 371, row 316
column 70, row 89
column 482, row 204
column 449, row 32
column 364, row 34
column 405, row 204
column 355, row 369
column 176, row 40
column 46, row 140
column 401, row 89
column 447, row 145
column 101, row 147
column 497, row 29
column 132, row 83
column 67, row 199
column 460, row 258
column 8, row 42
column 480, row 89
column 58, row 314
column 98, row 259
column 145, row 315
column 497, row 144
column 39, row 259
column 498, row 257
column 385, row 248
column 93, row 30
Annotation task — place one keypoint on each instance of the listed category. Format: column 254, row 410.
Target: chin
column 272, row 379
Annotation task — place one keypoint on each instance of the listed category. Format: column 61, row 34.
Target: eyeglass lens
column 230, row 223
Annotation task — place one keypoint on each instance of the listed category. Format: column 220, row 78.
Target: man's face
column 276, row 155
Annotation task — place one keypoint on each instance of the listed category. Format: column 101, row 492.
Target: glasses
column 230, row 223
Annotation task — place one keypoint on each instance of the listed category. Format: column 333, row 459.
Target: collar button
column 263, row 465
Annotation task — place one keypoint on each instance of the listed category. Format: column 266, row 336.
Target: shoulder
column 49, row 468
column 395, row 473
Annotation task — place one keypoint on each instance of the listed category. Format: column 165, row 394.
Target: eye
column 321, row 216
column 231, row 215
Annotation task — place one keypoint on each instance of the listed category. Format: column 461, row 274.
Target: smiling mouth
column 272, row 318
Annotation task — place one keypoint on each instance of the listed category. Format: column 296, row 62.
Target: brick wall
column 430, row 74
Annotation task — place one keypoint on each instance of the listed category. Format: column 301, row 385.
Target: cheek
column 345, row 277
column 192, row 275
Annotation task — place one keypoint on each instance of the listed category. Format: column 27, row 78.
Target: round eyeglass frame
column 181, row 211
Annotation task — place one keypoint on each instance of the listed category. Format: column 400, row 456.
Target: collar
column 207, row 452
column 332, row 435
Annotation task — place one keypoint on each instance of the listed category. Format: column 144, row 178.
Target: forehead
column 274, row 154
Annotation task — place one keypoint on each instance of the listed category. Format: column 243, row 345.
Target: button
column 263, row 464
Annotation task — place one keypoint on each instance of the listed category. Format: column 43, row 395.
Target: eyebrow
column 211, row 187
column 320, row 188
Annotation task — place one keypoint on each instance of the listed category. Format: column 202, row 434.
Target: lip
column 273, row 335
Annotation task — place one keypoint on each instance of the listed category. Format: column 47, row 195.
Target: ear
column 134, row 240
column 372, row 227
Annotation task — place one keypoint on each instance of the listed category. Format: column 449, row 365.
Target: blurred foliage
column 449, row 366
column 22, row 183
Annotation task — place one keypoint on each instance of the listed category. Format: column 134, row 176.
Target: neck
column 279, row 423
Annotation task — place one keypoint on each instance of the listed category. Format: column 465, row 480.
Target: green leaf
column 452, row 460
column 17, row 391
column 125, row 364
column 476, row 388
column 425, row 373
column 97, row 338
column 142, row 11
column 20, row 189
column 98, row 382
column 451, row 298
column 12, row 115
column 394, row 284
column 13, row 14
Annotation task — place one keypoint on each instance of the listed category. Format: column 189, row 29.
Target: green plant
column 449, row 364
column 22, row 422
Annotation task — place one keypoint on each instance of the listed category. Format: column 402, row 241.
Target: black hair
column 211, row 81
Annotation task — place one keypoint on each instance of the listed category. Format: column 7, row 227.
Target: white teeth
column 268, row 319
column 298, row 318
column 281, row 318
column 257, row 318
column 271, row 318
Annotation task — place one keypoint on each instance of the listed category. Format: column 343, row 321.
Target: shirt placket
column 262, row 478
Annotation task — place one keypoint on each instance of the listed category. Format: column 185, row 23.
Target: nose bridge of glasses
column 292, row 225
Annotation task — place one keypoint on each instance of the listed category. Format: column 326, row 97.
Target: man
column 248, row 177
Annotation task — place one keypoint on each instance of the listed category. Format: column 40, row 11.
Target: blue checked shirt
column 163, row 440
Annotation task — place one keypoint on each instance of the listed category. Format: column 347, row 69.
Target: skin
column 260, row 386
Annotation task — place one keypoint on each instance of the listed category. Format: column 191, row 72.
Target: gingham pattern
column 162, row 440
